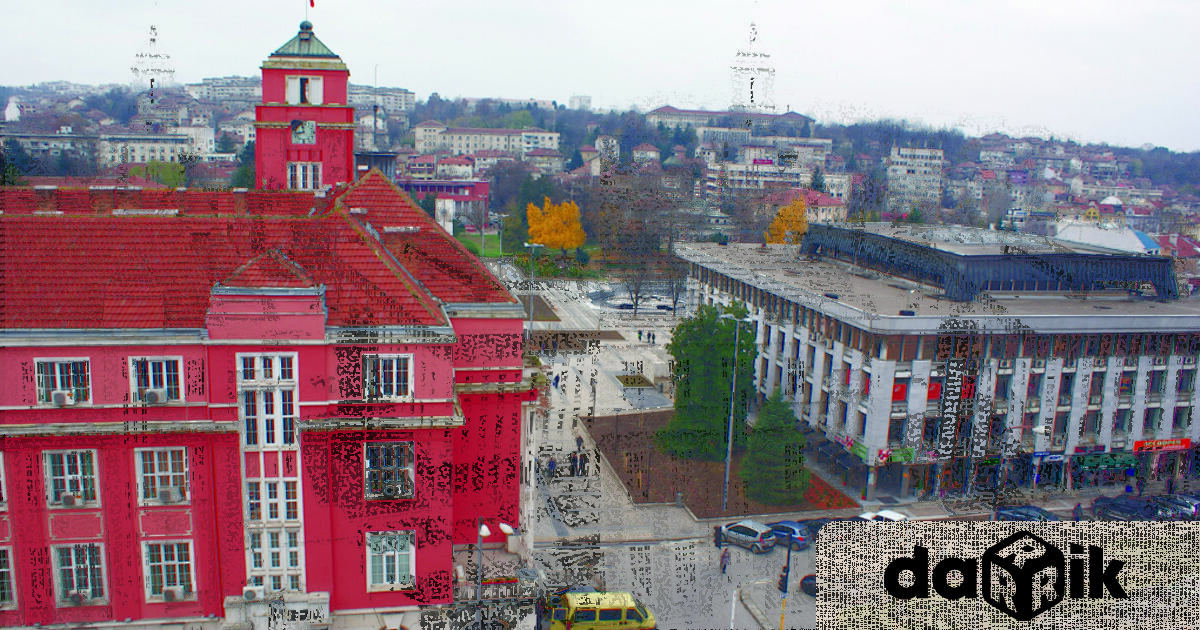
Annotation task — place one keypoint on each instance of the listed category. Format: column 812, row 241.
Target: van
column 568, row 610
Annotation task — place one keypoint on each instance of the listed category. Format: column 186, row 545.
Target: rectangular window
column 269, row 409
column 255, row 544
column 277, row 563
column 169, row 566
column 254, row 500
column 250, row 411
column 3, row 495
column 390, row 559
column 386, row 377
column 291, row 501
column 272, row 500
column 288, row 409
column 389, row 470
column 80, row 571
column 71, row 477
column 71, row 375
column 163, row 474
column 8, row 595
column 154, row 373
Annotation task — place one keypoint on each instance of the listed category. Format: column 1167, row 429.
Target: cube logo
column 1022, row 575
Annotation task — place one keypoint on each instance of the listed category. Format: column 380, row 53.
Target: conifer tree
column 773, row 469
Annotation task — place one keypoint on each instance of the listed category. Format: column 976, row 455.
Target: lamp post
column 532, row 252
column 484, row 532
column 737, row 322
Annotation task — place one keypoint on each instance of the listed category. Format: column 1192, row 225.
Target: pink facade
column 310, row 403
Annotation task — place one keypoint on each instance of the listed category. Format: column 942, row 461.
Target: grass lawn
column 491, row 243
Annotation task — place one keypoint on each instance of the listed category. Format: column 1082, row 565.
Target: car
column 1124, row 508
column 1178, row 509
column 791, row 532
column 665, row 307
column 814, row 525
column 808, row 585
column 750, row 534
column 1022, row 513
column 626, row 306
column 883, row 515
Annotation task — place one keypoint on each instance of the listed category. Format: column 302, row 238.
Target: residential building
column 920, row 359
column 645, row 152
column 138, row 148
column 390, row 100
column 464, row 198
column 547, row 161
column 578, row 101
column 432, row 136
column 305, row 137
column 914, row 177
column 240, row 406
column 675, row 117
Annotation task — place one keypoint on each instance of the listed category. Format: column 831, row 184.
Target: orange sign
column 1177, row 444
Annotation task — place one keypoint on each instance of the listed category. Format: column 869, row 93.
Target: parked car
column 664, row 307
column 791, row 532
column 1124, row 508
column 1022, row 513
column 883, row 515
column 1189, row 499
column 1178, row 509
column 814, row 525
column 752, row 535
column 625, row 306
column 808, row 585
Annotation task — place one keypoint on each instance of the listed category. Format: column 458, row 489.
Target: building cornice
column 118, row 428
column 486, row 310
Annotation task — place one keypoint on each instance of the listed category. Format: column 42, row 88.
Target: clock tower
column 304, row 126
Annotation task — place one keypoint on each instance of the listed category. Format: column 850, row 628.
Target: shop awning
column 1106, row 461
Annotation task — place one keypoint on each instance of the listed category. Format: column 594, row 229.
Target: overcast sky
column 1091, row 70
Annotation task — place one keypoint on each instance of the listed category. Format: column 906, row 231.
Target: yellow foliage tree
column 790, row 224
column 555, row 224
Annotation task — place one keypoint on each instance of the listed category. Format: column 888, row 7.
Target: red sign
column 935, row 391
column 765, row 161
column 899, row 392
column 1178, row 444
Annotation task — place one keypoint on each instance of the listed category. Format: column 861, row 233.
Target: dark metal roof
column 304, row 44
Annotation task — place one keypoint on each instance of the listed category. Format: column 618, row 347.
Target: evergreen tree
column 773, row 469
column 818, row 181
column 703, row 349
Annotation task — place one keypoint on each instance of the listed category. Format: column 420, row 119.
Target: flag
column 312, row 3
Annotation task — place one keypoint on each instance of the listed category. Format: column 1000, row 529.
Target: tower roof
column 304, row 44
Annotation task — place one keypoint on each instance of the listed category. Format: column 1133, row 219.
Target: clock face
column 304, row 132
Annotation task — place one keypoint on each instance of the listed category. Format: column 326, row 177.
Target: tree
column 790, row 223
column 428, row 203
column 773, row 469
column 704, row 355
column 915, row 216
column 555, row 224
column 225, row 144
column 818, row 181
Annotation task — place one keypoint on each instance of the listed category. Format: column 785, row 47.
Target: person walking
column 724, row 560
column 579, row 442
column 1171, row 485
column 537, row 466
column 1141, row 485
column 1077, row 512
column 583, row 463
column 639, row 335
column 550, row 467
column 574, row 463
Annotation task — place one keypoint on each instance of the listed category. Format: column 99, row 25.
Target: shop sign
column 989, row 461
column 1177, row 444
column 859, row 450
column 902, row 455
column 1053, row 458
column 1095, row 448
column 1041, row 453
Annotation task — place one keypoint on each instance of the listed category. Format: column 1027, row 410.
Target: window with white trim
column 304, row 175
column 267, row 400
column 72, row 375
column 147, row 373
column 3, row 494
column 276, row 558
column 71, row 474
column 304, row 91
column 8, row 593
column 162, row 475
column 388, row 469
column 168, row 567
column 390, row 560
column 387, row 377
column 79, row 572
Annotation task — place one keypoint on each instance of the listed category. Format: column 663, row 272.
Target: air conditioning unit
column 1039, row 364
column 1189, row 360
column 76, row 597
column 1160, row 361
column 391, row 491
column 168, row 595
column 1006, row 364
column 253, row 593
column 69, row 500
column 170, row 495
column 1094, row 400
column 154, row 396
column 62, row 397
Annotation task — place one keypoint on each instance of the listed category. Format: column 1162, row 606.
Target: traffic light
column 783, row 580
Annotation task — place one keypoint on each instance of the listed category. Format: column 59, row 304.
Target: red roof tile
column 270, row 269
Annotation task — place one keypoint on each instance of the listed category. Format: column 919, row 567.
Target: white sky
column 1091, row 70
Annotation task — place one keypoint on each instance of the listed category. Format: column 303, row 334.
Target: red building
column 213, row 400
column 305, row 128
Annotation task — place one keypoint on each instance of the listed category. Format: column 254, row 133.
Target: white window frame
column 61, row 594
column 145, row 479
column 384, row 475
column 3, row 488
column 304, row 175
column 6, row 577
column 48, row 470
column 372, row 391
column 148, row 586
column 393, row 557
column 135, row 391
column 290, row 566
column 47, row 400
column 315, row 93
column 271, row 393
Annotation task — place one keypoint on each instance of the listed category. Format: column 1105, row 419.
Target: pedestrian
column 639, row 335
column 537, row 466
column 651, row 338
column 550, row 467
column 1141, row 485
column 1078, row 512
column 579, row 442
column 583, row 462
column 1170, row 485
column 717, row 536
column 724, row 559
column 574, row 463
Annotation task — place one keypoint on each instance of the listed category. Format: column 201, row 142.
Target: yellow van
column 566, row 610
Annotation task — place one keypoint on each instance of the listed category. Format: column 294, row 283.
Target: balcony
column 1154, row 398
column 1064, row 401
column 1058, row 441
column 1124, row 400
column 1033, row 404
column 1183, row 398
column 899, row 409
column 1095, row 401
column 1000, row 406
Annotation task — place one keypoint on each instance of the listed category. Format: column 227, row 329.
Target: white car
column 883, row 515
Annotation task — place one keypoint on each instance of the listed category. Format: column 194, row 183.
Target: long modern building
column 927, row 357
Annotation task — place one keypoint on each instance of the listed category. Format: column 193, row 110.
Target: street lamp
column 484, row 532
column 732, row 394
column 532, row 253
